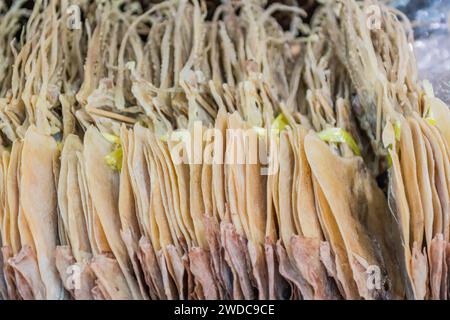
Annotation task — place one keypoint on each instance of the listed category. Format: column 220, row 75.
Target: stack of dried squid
column 126, row 171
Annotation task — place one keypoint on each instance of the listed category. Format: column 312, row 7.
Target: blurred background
column 431, row 21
